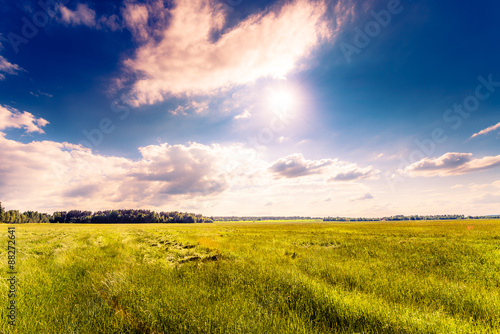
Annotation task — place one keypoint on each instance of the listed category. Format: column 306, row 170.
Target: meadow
column 262, row 277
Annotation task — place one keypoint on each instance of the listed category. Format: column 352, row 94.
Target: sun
column 281, row 100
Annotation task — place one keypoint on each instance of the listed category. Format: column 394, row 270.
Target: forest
column 101, row 217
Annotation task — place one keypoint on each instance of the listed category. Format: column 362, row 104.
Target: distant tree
column 13, row 217
column 2, row 212
column 34, row 217
column 190, row 219
column 58, row 217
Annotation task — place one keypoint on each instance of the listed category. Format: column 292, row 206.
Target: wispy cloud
column 86, row 16
column 7, row 67
column 245, row 114
column 487, row 130
column 191, row 106
column 451, row 164
column 12, row 118
column 39, row 92
column 363, row 197
column 186, row 59
column 136, row 17
column 82, row 15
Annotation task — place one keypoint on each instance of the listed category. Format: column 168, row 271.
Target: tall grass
column 267, row 277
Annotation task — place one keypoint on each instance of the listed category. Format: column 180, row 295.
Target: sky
column 235, row 107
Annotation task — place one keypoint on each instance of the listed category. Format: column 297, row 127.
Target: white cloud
column 42, row 175
column 12, row 118
column 50, row 176
column 244, row 115
column 487, row 130
column 451, row 164
column 190, row 169
column 186, row 59
column 210, row 179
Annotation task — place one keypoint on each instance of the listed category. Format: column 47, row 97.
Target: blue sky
column 340, row 108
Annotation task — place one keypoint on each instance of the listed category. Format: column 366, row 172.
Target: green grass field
column 263, row 277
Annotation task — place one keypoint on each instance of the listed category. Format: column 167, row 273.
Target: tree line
column 260, row 218
column 102, row 217
column 413, row 217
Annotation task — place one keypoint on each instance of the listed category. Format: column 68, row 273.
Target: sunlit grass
column 262, row 277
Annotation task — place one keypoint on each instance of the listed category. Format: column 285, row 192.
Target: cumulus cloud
column 55, row 175
column 43, row 174
column 451, row 164
column 180, row 169
column 12, row 118
column 50, row 176
column 295, row 165
column 183, row 58
column 487, row 130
